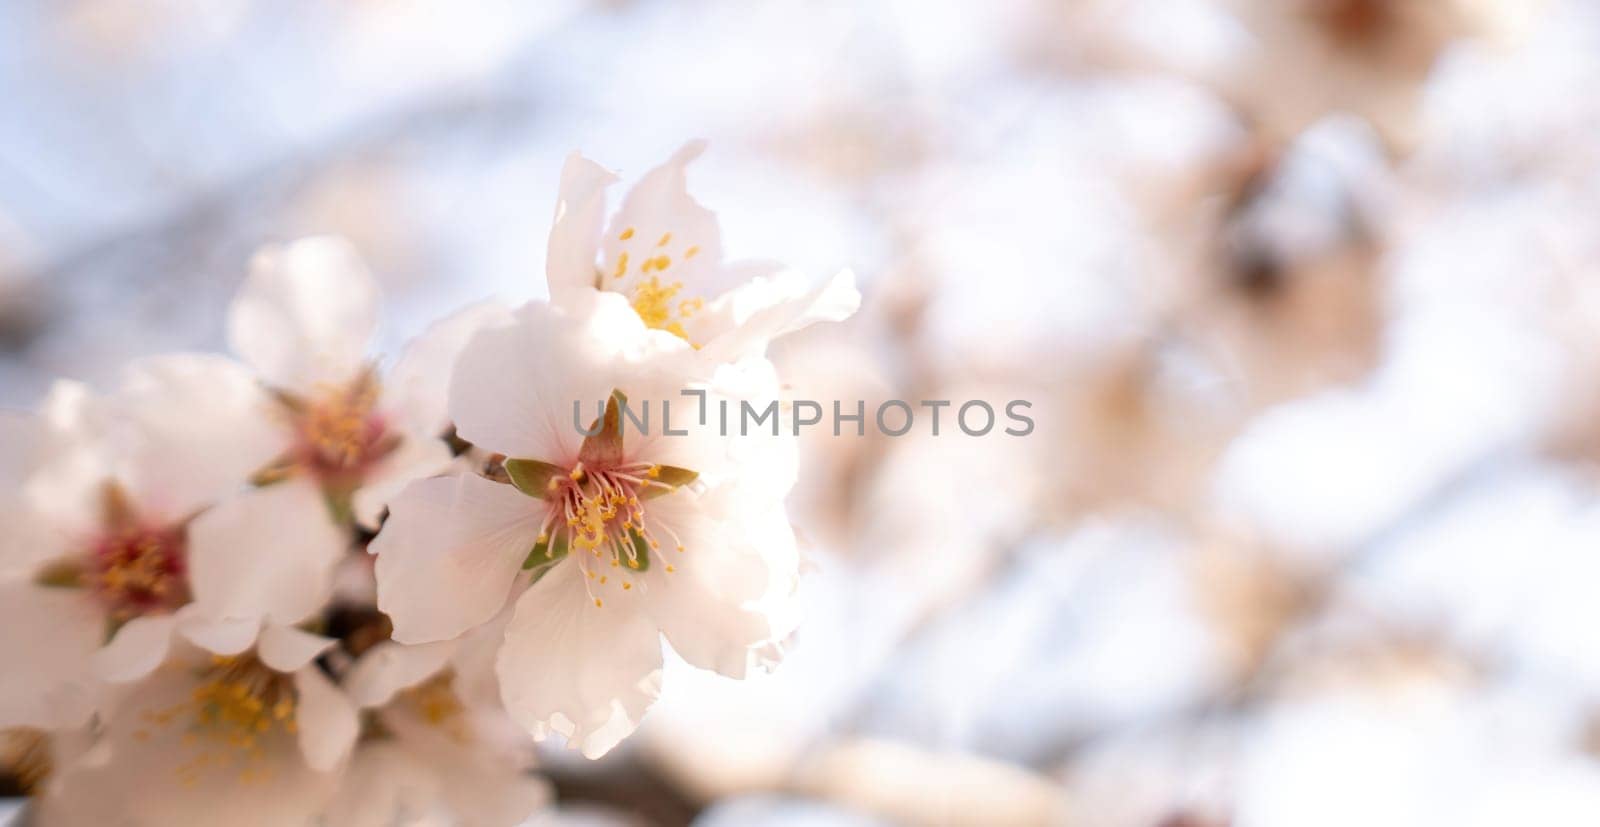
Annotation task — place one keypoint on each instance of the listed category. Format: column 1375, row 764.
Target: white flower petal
column 659, row 209
column 50, row 635
column 31, row 539
column 325, row 718
column 390, row 667
column 70, row 414
column 384, row 784
column 575, row 233
column 305, row 313
column 71, row 459
column 766, row 308
column 219, row 636
column 159, row 770
column 201, row 426
column 35, row 535
column 570, row 667
column 416, row 457
column 474, row 658
column 21, row 436
column 287, row 649
column 737, row 449
column 136, row 650
column 416, row 390
column 449, row 553
column 269, row 553
column 484, row 791
column 724, row 596
column 514, row 386
column 437, row 781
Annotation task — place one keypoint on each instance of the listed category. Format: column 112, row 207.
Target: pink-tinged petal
column 583, row 671
column 450, row 552
column 71, row 459
column 575, row 234
column 68, row 751
column 390, row 667
column 219, row 636
column 482, row 789
column 764, row 465
column 49, row 638
column 287, row 649
column 474, row 658
column 416, row 391
column 737, row 449
column 305, row 313
column 665, row 234
column 34, row 536
column 200, row 425
column 384, row 783
column 325, row 718
column 723, row 596
column 136, row 650
column 32, row 540
column 753, row 314
column 514, row 386
column 391, row 781
column 70, row 414
column 415, row 458
column 269, row 553
column 159, row 768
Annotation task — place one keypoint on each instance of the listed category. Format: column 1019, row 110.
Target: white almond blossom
column 96, row 568
column 303, row 321
column 627, row 536
column 258, row 738
column 439, row 748
column 663, row 251
column 323, row 434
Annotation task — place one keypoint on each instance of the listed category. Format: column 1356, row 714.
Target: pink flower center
column 596, row 507
column 140, row 571
column 340, row 433
column 597, row 514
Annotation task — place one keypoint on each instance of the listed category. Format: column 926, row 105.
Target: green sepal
column 603, row 448
column 641, row 547
column 114, row 625
column 539, row 573
column 292, row 403
column 274, row 472
column 531, row 476
column 61, row 574
column 544, row 553
column 341, row 505
column 117, row 511
column 668, row 475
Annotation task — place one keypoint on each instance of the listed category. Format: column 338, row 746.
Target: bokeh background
column 1306, row 295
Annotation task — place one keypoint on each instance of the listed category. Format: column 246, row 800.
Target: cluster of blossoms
column 301, row 586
